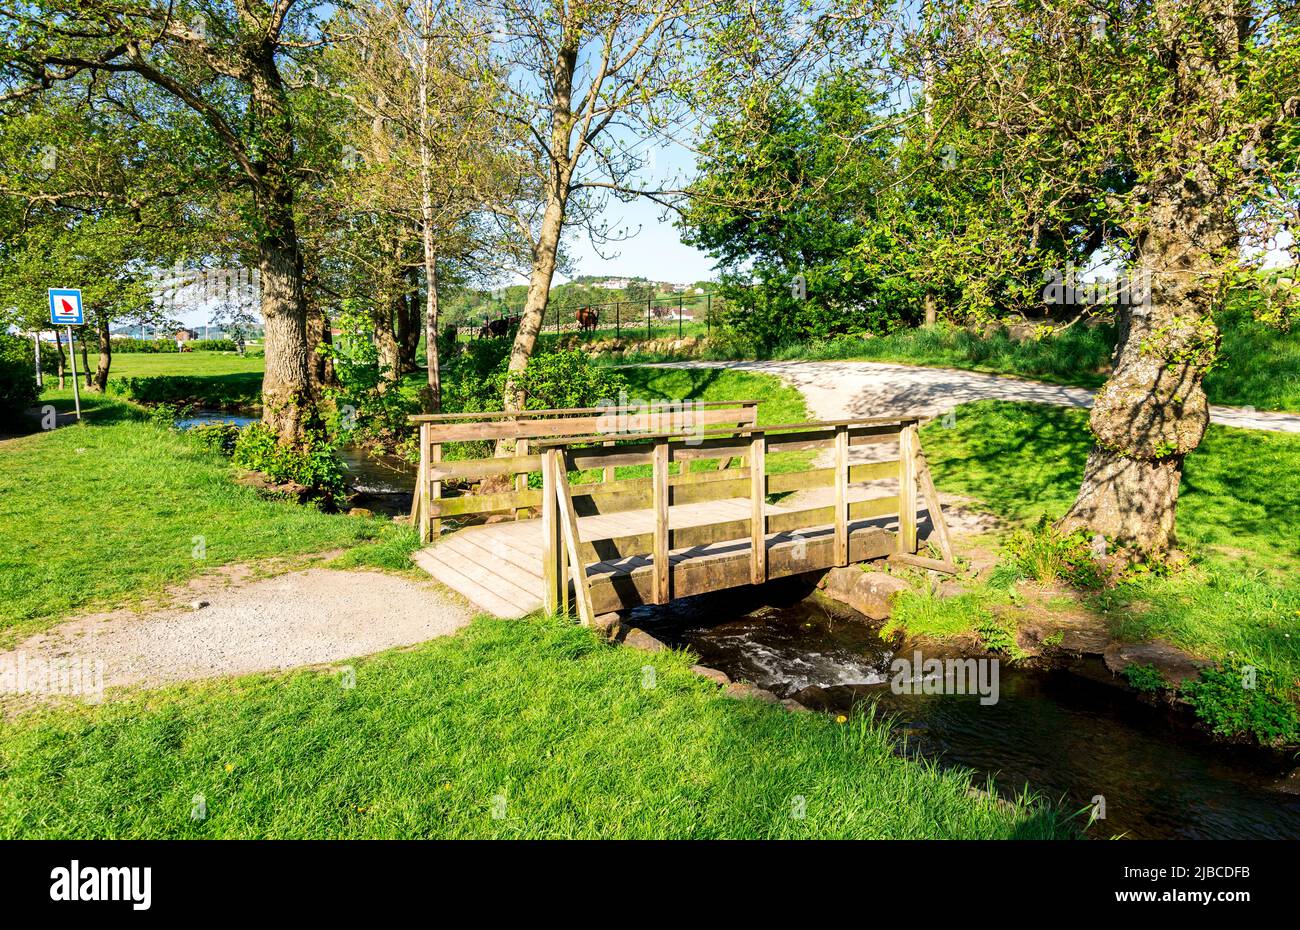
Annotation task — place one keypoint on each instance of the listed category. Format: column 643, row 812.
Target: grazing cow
column 587, row 319
column 496, row 328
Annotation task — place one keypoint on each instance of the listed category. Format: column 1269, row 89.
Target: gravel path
column 844, row 390
column 300, row 618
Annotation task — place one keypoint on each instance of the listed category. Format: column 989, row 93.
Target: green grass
column 109, row 510
column 198, row 364
column 1237, row 515
column 1258, row 366
column 535, row 717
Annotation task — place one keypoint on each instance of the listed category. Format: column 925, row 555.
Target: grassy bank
column 1237, row 517
column 117, row 508
column 559, row 735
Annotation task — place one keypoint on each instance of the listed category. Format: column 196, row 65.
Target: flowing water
column 1066, row 736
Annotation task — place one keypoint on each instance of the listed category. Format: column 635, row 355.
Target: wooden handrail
column 670, row 529
column 417, row 418
column 535, row 426
column 810, row 426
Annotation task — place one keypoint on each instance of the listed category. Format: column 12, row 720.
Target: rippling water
column 1066, row 737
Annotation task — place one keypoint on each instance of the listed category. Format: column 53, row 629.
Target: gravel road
column 300, row 618
column 843, row 390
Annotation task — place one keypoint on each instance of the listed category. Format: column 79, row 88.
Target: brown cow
column 587, row 319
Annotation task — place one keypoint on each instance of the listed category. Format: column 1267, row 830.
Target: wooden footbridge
column 646, row 506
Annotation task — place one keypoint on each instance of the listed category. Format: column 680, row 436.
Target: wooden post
column 757, row 500
column 841, row 495
column 926, row 482
column 418, row 505
column 659, row 484
column 568, row 521
column 907, row 489
column 610, row 471
column 435, row 491
column 521, row 479
column 553, row 560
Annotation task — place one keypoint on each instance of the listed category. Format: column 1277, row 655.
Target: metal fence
column 665, row 315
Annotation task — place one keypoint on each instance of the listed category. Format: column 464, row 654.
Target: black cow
column 494, row 329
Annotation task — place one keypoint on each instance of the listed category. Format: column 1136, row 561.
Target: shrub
column 17, row 378
column 562, row 379
column 314, row 463
column 1236, row 697
column 1145, row 678
column 218, row 436
column 1045, row 554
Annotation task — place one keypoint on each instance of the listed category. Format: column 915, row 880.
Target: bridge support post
column 841, row 495
column 757, row 498
column 554, row 582
column 659, row 496
column 907, row 441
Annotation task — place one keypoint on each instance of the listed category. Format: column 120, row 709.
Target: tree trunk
column 433, row 401
column 931, row 310
column 558, row 188
column 85, row 364
column 288, row 385
column 1152, row 411
column 408, row 324
column 58, row 346
column 105, row 356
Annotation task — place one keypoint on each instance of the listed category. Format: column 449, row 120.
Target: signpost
column 65, row 310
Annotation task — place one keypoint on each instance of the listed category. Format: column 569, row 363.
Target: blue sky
column 656, row 252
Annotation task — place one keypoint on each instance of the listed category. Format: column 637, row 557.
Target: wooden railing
column 742, row 511
column 523, row 428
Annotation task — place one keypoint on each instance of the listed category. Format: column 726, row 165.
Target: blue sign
column 65, row 306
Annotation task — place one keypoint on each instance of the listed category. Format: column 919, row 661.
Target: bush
column 1237, row 698
column 218, row 436
column 555, row 380
column 314, row 463
column 17, row 378
column 1145, row 678
column 1046, row 554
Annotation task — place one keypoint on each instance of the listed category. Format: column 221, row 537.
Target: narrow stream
column 1066, row 737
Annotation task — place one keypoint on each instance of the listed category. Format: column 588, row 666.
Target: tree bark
column 288, row 385
column 105, row 356
column 408, row 324
column 548, row 240
column 85, row 364
column 58, row 346
column 433, row 401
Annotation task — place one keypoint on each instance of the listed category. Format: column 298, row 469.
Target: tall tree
column 428, row 153
column 223, row 61
column 589, row 83
column 1172, row 123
